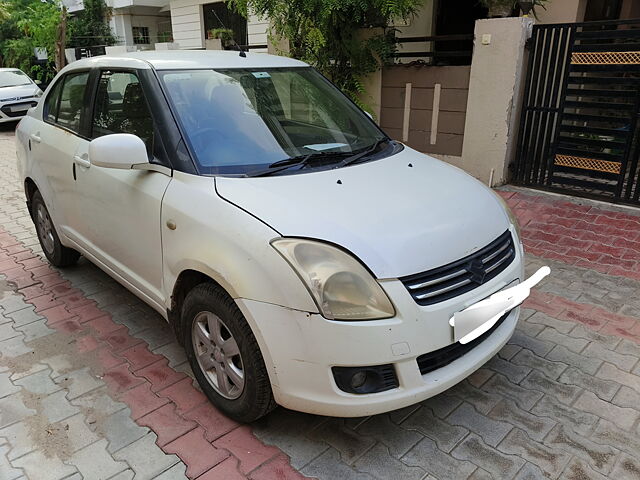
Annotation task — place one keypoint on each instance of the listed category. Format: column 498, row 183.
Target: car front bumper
column 300, row 349
column 14, row 111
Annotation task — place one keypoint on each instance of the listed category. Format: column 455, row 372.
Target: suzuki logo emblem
column 477, row 271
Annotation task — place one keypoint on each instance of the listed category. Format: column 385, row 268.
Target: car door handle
column 83, row 162
column 35, row 138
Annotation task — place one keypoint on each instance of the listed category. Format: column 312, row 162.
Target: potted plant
column 529, row 6
column 219, row 38
column 499, row 8
column 504, row 8
column 165, row 42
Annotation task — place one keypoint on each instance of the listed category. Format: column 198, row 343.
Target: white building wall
column 187, row 23
column 257, row 31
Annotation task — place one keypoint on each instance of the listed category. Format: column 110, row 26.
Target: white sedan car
column 302, row 257
column 18, row 93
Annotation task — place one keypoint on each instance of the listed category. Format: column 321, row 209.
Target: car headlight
column 38, row 94
column 512, row 218
column 341, row 287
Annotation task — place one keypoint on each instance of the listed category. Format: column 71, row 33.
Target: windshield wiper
column 354, row 158
column 299, row 160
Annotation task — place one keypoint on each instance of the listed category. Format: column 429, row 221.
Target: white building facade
column 183, row 24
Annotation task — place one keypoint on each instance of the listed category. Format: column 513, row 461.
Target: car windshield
column 13, row 78
column 240, row 120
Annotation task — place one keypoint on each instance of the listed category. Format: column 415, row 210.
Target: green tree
column 90, row 26
column 30, row 25
column 329, row 34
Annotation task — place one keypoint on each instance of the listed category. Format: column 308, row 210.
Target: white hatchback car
column 302, row 257
column 18, row 93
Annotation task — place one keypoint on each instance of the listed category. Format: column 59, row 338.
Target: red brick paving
column 184, row 421
column 581, row 235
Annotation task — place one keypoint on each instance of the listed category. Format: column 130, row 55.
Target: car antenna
column 243, row 54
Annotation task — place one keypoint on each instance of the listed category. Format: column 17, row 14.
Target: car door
column 53, row 142
column 119, row 220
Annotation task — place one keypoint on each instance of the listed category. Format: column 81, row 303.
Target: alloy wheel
column 45, row 228
column 218, row 355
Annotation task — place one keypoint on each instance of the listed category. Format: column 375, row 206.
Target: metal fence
column 579, row 126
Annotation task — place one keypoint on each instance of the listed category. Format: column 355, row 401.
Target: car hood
column 400, row 215
column 13, row 94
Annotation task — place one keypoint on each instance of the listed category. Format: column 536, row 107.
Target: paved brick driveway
column 93, row 385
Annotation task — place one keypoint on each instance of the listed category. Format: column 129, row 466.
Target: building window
column 140, row 35
column 218, row 15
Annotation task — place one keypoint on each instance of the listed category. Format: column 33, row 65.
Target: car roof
column 186, row 59
column 10, row 69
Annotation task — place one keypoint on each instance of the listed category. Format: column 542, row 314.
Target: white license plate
column 475, row 320
column 19, row 108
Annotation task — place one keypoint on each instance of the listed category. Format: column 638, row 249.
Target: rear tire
column 224, row 354
column 57, row 254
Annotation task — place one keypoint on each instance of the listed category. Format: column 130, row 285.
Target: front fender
column 216, row 238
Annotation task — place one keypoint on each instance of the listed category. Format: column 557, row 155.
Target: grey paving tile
column 581, row 422
column 397, row 439
column 380, row 464
column 39, row 383
column 79, row 382
column 18, row 437
column 96, row 463
column 550, row 460
column 492, row 431
column 627, row 397
column 38, row 466
column 56, row 407
column 607, row 433
column 500, row 465
column 586, row 364
column 575, row 344
column 177, row 472
column 599, row 457
column 120, row 430
column 145, row 457
column 536, row 426
column 620, row 360
column 13, row 409
column 349, row 443
column 605, row 389
column 563, row 392
column 550, row 369
column 443, row 433
column 6, row 386
column 329, row 465
column 7, row 471
column 428, row 456
column 578, row 469
column 34, row 330
column 524, row 397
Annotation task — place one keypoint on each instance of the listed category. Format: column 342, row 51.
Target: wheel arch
column 192, row 276
column 30, row 188
column 187, row 280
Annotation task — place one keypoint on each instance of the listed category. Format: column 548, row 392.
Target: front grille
column 441, row 358
column 6, row 109
column 464, row 275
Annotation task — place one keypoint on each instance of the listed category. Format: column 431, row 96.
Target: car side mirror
column 118, row 150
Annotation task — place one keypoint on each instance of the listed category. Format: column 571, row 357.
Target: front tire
column 57, row 254
column 224, row 354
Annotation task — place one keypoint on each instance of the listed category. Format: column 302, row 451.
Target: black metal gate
column 579, row 130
